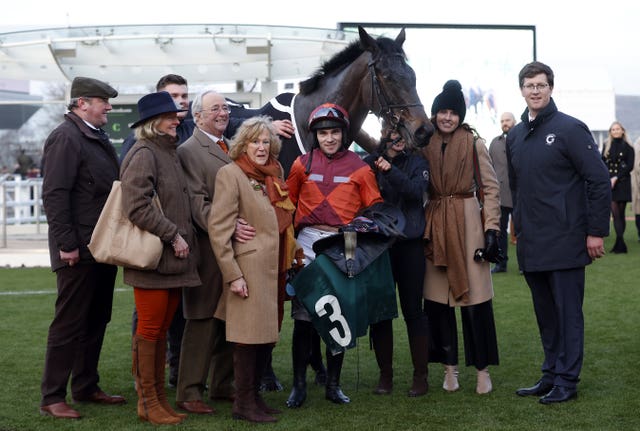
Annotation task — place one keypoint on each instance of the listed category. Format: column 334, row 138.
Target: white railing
column 20, row 203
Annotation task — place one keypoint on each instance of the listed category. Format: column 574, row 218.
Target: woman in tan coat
column 459, row 245
column 150, row 167
column 252, row 188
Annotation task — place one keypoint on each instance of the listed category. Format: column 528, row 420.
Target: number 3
column 335, row 317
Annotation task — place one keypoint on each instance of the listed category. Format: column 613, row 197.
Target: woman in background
column 618, row 155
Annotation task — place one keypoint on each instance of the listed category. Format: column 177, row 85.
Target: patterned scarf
column 269, row 176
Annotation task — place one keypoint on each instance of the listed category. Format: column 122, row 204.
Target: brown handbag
column 117, row 241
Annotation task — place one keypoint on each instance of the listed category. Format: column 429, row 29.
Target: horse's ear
column 401, row 36
column 367, row 42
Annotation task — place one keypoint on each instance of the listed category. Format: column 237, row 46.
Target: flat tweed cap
column 89, row 87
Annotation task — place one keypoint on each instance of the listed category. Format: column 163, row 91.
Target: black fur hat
column 450, row 98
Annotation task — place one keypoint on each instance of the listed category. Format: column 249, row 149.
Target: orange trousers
column 156, row 308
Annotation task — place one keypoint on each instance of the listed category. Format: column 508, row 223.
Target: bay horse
column 369, row 75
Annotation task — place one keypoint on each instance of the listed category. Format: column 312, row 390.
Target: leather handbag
column 117, row 241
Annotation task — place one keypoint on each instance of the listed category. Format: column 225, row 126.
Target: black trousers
column 408, row 265
column 478, row 330
column 557, row 300
column 82, row 311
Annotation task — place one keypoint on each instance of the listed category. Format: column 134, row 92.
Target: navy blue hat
column 450, row 98
column 154, row 104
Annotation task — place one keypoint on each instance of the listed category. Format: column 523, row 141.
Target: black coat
column 561, row 190
column 405, row 186
column 620, row 164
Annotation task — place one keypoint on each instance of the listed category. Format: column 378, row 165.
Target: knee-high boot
column 315, row 360
column 263, row 360
column 419, row 346
column 268, row 380
column 300, row 349
column 144, row 371
column 244, row 369
column 332, row 391
column 161, row 353
column 382, row 339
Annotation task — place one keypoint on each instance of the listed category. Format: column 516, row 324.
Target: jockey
column 329, row 186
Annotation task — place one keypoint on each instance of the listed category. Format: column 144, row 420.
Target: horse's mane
column 344, row 58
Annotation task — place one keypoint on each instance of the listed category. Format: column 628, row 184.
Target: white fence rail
column 20, row 203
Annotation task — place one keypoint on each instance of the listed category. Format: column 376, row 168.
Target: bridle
column 387, row 110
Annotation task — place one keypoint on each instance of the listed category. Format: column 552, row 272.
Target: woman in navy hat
column 460, row 241
column 152, row 167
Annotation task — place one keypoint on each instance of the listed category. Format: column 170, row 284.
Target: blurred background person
column 462, row 239
column 635, row 185
column 498, row 153
column 252, row 188
column 619, row 156
column 150, row 167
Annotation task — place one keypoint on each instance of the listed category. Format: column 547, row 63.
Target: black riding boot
column 332, row 391
column 300, row 348
column 269, row 381
column 316, row 360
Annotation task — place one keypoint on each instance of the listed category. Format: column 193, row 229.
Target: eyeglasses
column 535, row 87
column 216, row 109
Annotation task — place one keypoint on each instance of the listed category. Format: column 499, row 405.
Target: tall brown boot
column 382, row 339
column 144, row 370
column 244, row 369
column 418, row 344
column 161, row 353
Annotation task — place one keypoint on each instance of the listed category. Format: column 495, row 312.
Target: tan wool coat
column 454, row 220
column 253, row 320
column 201, row 159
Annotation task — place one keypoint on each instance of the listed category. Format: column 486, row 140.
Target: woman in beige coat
column 152, row 167
column 252, row 188
column 459, row 245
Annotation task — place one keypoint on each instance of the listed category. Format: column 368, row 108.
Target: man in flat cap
column 79, row 165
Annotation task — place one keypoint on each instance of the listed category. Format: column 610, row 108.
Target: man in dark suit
column 562, row 193
column 79, row 167
column 204, row 347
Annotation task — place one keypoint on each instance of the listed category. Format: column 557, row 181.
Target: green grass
column 609, row 393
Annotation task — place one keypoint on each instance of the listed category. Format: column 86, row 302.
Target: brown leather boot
column 382, row 340
column 418, row 344
column 161, row 353
column 244, row 369
column 144, row 370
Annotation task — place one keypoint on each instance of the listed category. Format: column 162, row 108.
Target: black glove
column 492, row 251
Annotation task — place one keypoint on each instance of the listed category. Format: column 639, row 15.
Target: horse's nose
column 423, row 134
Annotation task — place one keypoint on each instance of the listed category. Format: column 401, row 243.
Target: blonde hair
column 250, row 131
column 607, row 143
column 149, row 129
